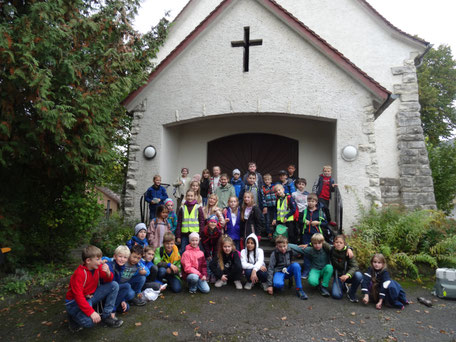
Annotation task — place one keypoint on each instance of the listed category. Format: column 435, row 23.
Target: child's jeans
column 107, row 292
column 204, row 201
column 268, row 220
column 262, row 276
column 305, row 240
column 194, row 283
column 184, row 243
column 325, row 273
column 294, row 270
column 325, row 207
column 394, row 294
column 172, row 280
column 337, row 287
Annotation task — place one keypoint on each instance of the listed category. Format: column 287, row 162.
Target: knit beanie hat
column 212, row 218
column 139, row 227
column 168, row 200
column 236, row 171
column 193, row 235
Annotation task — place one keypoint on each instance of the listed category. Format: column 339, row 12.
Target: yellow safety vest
column 282, row 209
column 190, row 221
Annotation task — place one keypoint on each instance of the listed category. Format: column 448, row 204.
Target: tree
column 437, row 90
column 65, row 67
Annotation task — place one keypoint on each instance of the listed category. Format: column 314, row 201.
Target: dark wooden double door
column 271, row 153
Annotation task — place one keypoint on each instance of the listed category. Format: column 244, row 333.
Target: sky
column 431, row 20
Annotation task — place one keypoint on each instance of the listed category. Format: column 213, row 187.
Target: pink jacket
column 193, row 261
column 155, row 234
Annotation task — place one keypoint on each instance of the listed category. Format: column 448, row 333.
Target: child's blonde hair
column 312, row 196
column 197, row 193
column 317, row 238
column 249, row 193
column 124, row 250
column 168, row 236
column 375, row 292
column 148, row 249
column 224, row 239
column 381, row 258
column 237, row 200
column 281, row 239
column 212, row 196
column 156, row 176
column 267, row 176
column 278, row 186
column 327, row 167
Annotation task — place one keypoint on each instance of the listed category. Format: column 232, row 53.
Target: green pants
column 325, row 273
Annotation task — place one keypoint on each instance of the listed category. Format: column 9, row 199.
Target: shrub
column 409, row 240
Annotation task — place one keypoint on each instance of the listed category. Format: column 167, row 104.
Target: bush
column 410, row 241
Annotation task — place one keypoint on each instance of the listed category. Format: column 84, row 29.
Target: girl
column 194, row 266
column 345, row 269
column 377, row 283
column 158, row 227
column 190, row 219
column 155, row 195
column 232, row 216
column 181, row 185
column 172, row 217
column 226, row 266
column 252, row 260
column 204, row 185
column 212, row 209
column 252, row 220
column 195, row 186
column 209, row 239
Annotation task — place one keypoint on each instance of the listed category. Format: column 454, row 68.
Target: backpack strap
column 161, row 252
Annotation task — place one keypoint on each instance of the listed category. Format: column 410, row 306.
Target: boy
column 269, row 203
column 84, row 292
column 254, row 189
column 168, row 261
column 155, row 195
column 300, row 197
column 224, row 191
column 237, row 182
column 323, row 187
column 291, row 172
column 284, row 213
column 286, row 183
column 148, row 261
column 258, row 179
column 139, row 238
column 320, row 267
column 215, row 179
column 281, row 267
column 130, row 272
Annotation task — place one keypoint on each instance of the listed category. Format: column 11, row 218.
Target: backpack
column 281, row 229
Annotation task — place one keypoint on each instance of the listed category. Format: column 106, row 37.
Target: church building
column 279, row 82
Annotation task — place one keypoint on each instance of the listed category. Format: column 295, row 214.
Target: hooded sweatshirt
column 193, row 262
column 255, row 259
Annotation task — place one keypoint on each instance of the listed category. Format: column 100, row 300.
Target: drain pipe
column 419, row 59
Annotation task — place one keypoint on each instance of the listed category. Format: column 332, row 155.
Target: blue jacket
column 233, row 231
column 154, row 192
column 289, row 187
column 259, row 195
column 318, row 186
column 117, row 270
column 238, row 185
column 317, row 215
column 135, row 240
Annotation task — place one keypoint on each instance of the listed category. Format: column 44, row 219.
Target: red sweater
column 84, row 283
column 326, row 189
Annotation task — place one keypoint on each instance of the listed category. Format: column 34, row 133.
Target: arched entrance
column 270, row 152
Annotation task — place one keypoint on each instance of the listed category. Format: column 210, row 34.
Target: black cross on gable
column 246, row 44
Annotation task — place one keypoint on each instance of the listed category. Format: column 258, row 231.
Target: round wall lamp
column 349, row 153
column 149, row 152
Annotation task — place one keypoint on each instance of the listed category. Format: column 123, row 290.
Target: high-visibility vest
column 190, row 221
column 282, row 209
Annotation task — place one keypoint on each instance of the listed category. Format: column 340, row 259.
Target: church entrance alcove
column 271, row 153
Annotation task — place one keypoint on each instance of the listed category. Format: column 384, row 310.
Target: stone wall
column 391, row 191
column 416, row 186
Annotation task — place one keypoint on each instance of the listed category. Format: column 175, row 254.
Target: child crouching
column 168, row 261
column 194, row 266
column 252, row 259
column 226, row 266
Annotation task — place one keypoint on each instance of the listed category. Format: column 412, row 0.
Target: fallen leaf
column 430, row 327
column 183, row 312
column 211, row 302
column 339, row 333
column 362, row 341
column 284, row 318
column 265, row 329
column 194, row 322
column 138, row 324
column 392, row 338
column 405, row 334
column 442, row 331
column 387, row 318
column 353, row 313
column 417, row 310
column 49, row 324
column 310, row 308
column 362, row 321
column 175, row 333
column 198, row 335
column 38, row 336
column 352, row 323
column 392, row 329
column 418, row 322
column 426, row 311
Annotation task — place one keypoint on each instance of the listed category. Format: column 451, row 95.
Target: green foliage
column 408, row 240
column 65, row 68
column 111, row 233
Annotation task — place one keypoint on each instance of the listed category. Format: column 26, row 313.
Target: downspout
column 419, row 59
column 391, row 98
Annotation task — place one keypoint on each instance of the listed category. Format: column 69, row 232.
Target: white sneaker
column 265, row 286
column 219, row 283
column 238, row 284
column 248, row 286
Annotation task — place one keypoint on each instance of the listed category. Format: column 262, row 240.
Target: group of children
column 218, row 237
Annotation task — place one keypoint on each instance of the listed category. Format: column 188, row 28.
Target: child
column 155, row 195
column 291, row 172
column 252, row 187
column 344, row 266
column 181, row 185
column 300, row 197
column 194, row 266
column 224, row 191
column 158, row 227
column 172, row 217
column 232, row 216
column 212, row 209
column 320, row 267
column 252, row 260
column 189, row 220
column 284, row 213
column 314, row 221
column 269, row 203
column 84, row 292
column 204, row 185
column 281, row 267
column 148, row 261
column 140, row 236
column 195, row 186
column 214, row 182
column 226, row 266
column 251, row 217
column 378, row 284
column 237, row 182
column 168, row 261
column 323, row 187
column 287, row 184
column 209, row 239
column 258, row 179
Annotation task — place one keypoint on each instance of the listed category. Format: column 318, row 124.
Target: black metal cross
column 246, row 44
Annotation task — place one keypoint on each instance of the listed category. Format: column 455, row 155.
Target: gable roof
column 314, row 39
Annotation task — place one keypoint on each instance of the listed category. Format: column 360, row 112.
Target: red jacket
column 193, row 261
column 83, row 283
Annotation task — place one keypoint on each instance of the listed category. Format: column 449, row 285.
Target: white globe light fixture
column 349, row 153
column 149, row 152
